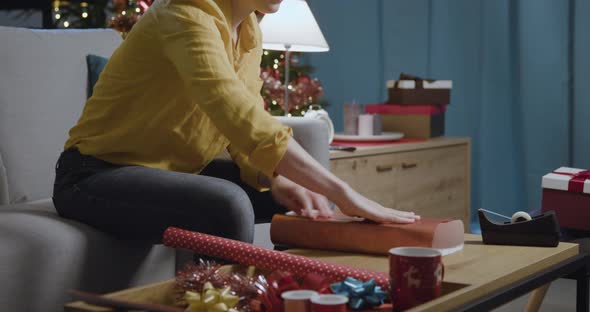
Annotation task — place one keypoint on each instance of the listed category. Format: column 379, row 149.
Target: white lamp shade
column 293, row 26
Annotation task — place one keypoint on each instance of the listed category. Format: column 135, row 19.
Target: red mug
column 416, row 276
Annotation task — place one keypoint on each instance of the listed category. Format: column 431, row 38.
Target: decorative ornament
column 211, row 299
column 251, row 289
column 123, row 22
column 127, row 13
column 143, row 5
column 120, row 5
column 303, row 89
column 280, row 282
column 118, row 14
column 195, row 275
column 361, row 295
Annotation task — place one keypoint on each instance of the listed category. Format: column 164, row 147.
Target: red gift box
column 567, row 192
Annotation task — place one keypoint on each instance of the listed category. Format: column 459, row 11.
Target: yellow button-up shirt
column 178, row 91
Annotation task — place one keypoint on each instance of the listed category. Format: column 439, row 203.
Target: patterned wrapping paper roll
column 248, row 254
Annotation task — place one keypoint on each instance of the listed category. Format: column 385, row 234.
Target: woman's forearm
column 298, row 166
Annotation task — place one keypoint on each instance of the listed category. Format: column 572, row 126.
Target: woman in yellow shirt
column 180, row 89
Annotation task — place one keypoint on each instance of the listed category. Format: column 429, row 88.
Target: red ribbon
column 576, row 183
column 280, row 282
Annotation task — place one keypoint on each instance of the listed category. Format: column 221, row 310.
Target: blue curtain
column 520, row 71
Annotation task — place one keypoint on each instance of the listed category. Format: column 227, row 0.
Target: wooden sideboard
column 431, row 178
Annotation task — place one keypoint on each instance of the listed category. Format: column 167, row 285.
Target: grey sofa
column 43, row 87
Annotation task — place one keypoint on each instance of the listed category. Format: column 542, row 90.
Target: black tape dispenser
column 522, row 229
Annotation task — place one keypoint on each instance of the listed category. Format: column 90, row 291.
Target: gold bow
column 211, row 300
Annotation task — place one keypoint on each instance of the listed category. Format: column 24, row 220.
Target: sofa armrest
column 4, row 200
column 43, row 255
column 312, row 135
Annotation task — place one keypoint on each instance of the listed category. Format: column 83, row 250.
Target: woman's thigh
column 134, row 202
column 264, row 204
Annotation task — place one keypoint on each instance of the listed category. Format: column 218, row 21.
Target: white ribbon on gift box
column 411, row 84
column 560, row 182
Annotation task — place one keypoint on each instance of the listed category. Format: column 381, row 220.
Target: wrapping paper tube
column 248, row 254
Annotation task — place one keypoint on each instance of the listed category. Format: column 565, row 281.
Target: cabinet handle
column 384, row 168
column 409, row 165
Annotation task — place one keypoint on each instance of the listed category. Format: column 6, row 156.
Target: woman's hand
column 301, row 168
column 354, row 204
column 299, row 199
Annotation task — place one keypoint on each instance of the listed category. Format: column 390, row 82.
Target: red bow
column 280, row 282
column 576, row 183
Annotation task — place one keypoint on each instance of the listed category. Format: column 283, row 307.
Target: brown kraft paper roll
column 363, row 236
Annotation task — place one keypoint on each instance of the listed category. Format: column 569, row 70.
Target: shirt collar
column 248, row 29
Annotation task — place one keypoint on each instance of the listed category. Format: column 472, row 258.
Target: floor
column 560, row 297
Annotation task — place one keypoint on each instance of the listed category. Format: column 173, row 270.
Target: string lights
column 118, row 14
column 69, row 13
column 305, row 92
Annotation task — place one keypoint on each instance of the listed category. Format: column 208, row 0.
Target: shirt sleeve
column 248, row 173
column 194, row 45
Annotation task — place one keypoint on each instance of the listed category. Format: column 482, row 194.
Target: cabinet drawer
column 431, row 182
column 435, row 184
column 373, row 176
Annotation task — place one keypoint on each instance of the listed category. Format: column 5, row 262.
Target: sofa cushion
column 43, row 89
column 96, row 65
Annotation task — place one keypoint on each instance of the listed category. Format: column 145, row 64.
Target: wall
column 352, row 69
column 581, row 74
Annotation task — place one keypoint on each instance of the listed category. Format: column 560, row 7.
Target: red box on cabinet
column 567, row 192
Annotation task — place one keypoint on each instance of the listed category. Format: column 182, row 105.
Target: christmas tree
column 305, row 93
column 126, row 13
column 118, row 14
column 79, row 14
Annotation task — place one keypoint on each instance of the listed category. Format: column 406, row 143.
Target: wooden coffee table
column 478, row 278
column 482, row 277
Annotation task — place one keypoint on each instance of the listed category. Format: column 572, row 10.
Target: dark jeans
column 139, row 203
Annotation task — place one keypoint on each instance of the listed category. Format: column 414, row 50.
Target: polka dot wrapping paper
column 248, row 254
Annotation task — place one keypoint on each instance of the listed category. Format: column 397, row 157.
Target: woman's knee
column 230, row 213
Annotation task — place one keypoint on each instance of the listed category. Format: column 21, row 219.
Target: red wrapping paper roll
column 248, row 254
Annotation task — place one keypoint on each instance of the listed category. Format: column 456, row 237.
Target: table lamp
column 292, row 28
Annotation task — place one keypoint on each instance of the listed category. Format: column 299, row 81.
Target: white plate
column 385, row 136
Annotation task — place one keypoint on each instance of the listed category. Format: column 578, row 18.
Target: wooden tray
column 163, row 293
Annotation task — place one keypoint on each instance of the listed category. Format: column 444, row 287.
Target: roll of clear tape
column 322, row 115
column 520, row 216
